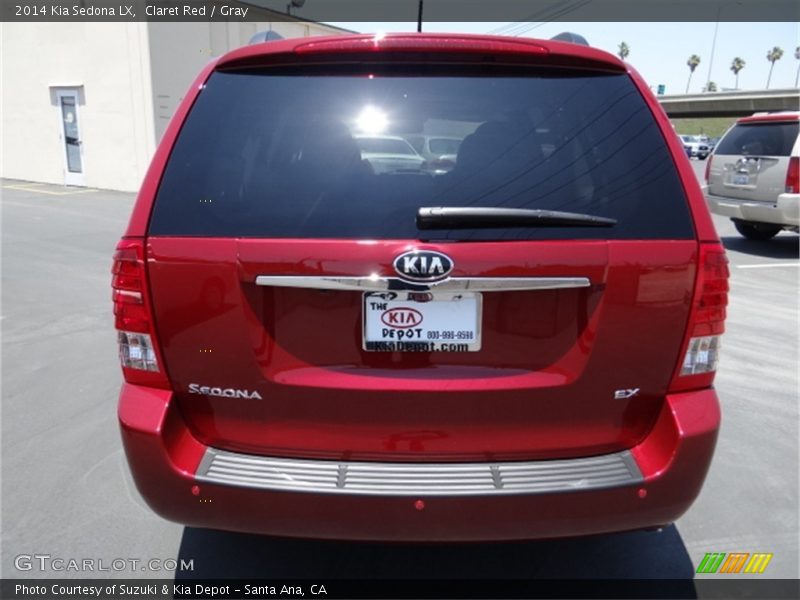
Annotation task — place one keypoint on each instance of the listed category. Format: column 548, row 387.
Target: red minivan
column 323, row 342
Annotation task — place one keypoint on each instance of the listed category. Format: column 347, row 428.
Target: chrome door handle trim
column 453, row 284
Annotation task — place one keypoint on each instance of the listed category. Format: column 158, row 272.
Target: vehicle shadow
column 632, row 555
column 781, row 246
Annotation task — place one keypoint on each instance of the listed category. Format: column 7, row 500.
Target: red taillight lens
column 793, row 176
column 127, row 285
column 708, row 166
column 138, row 351
column 712, row 292
column 706, row 321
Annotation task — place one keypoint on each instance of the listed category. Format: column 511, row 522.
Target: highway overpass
column 730, row 104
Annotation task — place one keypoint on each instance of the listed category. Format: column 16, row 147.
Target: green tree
column 773, row 56
column 692, row 63
column 624, row 51
column 710, row 87
column 737, row 64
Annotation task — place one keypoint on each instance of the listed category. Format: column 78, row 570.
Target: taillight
column 708, row 166
column 706, row 321
column 138, row 351
column 793, row 176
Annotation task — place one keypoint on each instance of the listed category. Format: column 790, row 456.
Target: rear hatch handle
column 377, row 283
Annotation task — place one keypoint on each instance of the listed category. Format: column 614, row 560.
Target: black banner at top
column 402, row 10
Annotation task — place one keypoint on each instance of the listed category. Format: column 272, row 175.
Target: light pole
column 714, row 41
column 294, row 3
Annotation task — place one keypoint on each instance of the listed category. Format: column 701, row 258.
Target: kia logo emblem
column 423, row 265
column 401, row 318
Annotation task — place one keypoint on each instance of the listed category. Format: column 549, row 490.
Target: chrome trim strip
column 375, row 283
column 418, row 479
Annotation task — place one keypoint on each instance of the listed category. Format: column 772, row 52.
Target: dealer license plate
column 741, row 179
column 422, row 322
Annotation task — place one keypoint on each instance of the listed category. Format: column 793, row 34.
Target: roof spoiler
column 265, row 36
column 572, row 38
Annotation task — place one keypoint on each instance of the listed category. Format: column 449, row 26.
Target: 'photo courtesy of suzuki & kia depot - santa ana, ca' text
column 395, row 306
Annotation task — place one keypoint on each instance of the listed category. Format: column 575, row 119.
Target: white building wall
column 109, row 64
column 130, row 77
column 179, row 51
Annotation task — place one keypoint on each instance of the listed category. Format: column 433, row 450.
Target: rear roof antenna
column 419, row 17
column 572, row 38
column 265, row 36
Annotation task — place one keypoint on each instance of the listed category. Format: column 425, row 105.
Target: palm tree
column 693, row 61
column 772, row 56
column 737, row 64
column 797, row 56
column 624, row 51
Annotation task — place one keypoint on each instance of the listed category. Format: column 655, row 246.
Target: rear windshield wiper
column 469, row 217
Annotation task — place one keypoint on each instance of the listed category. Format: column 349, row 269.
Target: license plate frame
column 430, row 339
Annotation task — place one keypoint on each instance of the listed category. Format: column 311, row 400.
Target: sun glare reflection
column 372, row 120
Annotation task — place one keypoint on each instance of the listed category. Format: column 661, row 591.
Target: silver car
column 389, row 154
column 752, row 177
column 439, row 151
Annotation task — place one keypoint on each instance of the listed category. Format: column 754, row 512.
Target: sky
column 659, row 50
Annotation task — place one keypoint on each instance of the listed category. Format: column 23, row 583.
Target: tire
column 702, row 156
column 757, row 231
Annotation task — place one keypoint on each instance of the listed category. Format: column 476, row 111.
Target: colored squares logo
column 757, row 563
column 734, row 562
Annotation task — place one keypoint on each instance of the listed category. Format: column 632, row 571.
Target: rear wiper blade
column 473, row 217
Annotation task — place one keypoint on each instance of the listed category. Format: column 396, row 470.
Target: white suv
column 752, row 177
column 696, row 146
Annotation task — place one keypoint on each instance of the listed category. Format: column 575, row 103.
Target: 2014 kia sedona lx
column 320, row 341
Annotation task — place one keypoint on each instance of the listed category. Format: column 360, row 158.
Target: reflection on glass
column 372, row 120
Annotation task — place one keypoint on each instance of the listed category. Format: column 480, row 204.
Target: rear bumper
column 785, row 211
column 650, row 485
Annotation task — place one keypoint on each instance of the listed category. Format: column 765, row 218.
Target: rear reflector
column 793, row 176
column 706, row 321
column 138, row 351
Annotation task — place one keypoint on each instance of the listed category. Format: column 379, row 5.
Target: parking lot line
column 34, row 187
column 769, row 265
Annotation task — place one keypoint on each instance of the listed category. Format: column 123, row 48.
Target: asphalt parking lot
column 66, row 491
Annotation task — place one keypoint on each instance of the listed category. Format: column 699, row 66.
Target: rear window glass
column 760, row 139
column 281, row 153
column 384, row 146
column 444, row 146
column 417, row 141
